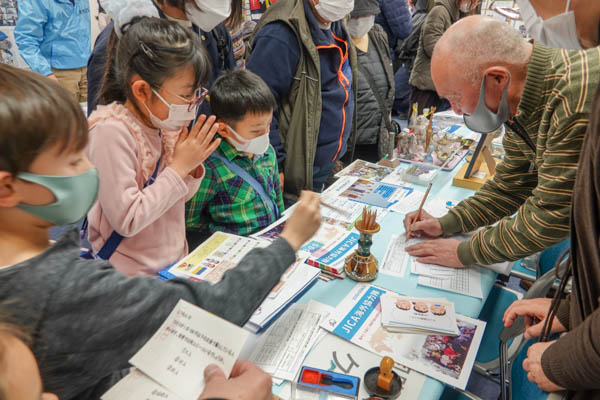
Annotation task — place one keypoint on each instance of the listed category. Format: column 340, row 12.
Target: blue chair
column 545, row 262
column 548, row 258
column 521, row 271
column 508, row 376
column 488, row 356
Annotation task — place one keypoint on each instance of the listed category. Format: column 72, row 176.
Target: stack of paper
column 418, row 315
column 331, row 258
column 281, row 350
column 294, row 283
column 172, row 362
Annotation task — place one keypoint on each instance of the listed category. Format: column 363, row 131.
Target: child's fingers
column 209, row 137
column 207, row 127
column 198, row 125
column 182, row 136
column 213, row 146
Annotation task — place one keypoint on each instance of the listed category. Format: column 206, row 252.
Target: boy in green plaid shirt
column 241, row 191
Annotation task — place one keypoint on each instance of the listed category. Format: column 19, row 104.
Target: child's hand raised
column 195, row 146
column 305, row 220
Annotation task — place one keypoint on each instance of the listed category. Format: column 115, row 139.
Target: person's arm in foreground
column 542, row 199
column 112, row 316
column 571, row 362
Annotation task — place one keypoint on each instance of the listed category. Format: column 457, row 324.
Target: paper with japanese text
column 216, row 255
column 396, row 258
column 295, row 280
column 409, row 203
column 418, row 315
column 446, row 358
column 465, row 281
column 376, row 194
column 187, row 342
column 136, row 385
column 281, row 350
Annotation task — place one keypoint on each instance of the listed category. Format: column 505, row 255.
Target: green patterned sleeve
column 205, row 193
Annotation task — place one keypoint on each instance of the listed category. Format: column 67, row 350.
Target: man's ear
column 8, row 194
column 496, row 80
column 497, row 77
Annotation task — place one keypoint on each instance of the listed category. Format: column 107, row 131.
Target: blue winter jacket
column 275, row 58
column 395, row 19
column 53, row 34
column 219, row 63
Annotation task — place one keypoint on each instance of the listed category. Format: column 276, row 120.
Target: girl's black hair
column 36, row 113
column 154, row 49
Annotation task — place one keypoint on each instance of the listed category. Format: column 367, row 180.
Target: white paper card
column 281, row 350
column 187, row 342
column 409, row 203
column 465, row 281
column 136, row 385
column 396, row 258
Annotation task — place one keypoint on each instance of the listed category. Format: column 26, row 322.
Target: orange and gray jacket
column 312, row 73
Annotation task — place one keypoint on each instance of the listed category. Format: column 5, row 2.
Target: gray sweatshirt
column 87, row 319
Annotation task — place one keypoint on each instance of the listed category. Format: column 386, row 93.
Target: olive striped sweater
column 535, row 184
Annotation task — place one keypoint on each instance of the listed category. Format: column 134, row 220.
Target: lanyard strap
column 251, row 181
column 114, row 240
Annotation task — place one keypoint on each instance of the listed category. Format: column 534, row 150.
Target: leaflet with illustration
column 376, row 194
column 418, row 315
column 365, row 170
column 446, row 358
column 210, row 260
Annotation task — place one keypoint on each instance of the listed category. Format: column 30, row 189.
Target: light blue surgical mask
column 75, row 195
column 484, row 120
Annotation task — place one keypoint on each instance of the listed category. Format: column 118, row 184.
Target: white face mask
column 256, row 146
column 465, row 8
column 359, row 27
column 180, row 115
column 334, row 10
column 558, row 32
column 213, row 13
